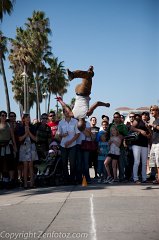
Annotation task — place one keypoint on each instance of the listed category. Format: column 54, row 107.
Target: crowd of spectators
column 118, row 158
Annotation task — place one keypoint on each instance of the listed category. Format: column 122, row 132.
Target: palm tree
column 3, row 50
column 6, row 6
column 38, row 27
column 30, row 50
column 56, row 81
column 20, row 58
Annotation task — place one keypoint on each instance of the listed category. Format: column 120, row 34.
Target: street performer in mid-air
column 81, row 108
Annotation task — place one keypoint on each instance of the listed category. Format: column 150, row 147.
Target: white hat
column 53, row 144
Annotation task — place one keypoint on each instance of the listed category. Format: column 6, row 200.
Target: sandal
column 155, row 181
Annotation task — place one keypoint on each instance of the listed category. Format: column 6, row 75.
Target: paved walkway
column 95, row 212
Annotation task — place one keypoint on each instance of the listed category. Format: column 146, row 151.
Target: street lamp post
column 24, row 75
column 45, row 96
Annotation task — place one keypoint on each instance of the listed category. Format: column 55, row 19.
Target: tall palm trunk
column 21, row 110
column 36, row 110
column 57, row 106
column 38, row 98
column 48, row 108
column 5, row 85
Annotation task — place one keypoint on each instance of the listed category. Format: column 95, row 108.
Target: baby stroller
column 51, row 174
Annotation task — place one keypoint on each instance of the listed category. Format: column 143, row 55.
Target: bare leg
column 106, row 164
column 95, row 105
column 25, row 169
column 59, row 99
column 158, row 175
column 31, row 173
column 114, row 166
column 81, row 74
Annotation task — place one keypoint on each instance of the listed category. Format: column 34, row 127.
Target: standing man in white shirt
column 82, row 156
column 68, row 132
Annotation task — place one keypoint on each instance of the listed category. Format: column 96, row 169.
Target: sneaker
column 111, row 181
column 156, row 181
column 116, row 180
column 137, row 182
column 104, row 181
column 108, row 180
column 144, row 181
column 70, row 75
column 99, row 180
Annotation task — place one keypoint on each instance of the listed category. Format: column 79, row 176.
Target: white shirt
column 69, row 127
column 82, row 135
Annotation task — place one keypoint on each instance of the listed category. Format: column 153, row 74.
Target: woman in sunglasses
column 27, row 151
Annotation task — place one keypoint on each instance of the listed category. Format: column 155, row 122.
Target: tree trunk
column 49, row 97
column 21, row 110
column 5, row 85
column 57, row 106
column 38, row 99
column 36, row 110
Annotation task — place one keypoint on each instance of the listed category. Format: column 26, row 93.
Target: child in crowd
column 113, row 154
column 103, row 148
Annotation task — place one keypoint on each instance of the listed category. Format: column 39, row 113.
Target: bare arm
column 72, row 140
column 59, row 99
column 133, row 128
column 87, row 132
column 32, row 136
column 21, row 138
column 13, row 139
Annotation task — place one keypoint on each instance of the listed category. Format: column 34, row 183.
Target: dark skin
column 81, row 124
column 82, row 89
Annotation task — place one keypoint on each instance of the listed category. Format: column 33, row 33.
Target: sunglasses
column 12, row 116
column 44, row 118
column 3, row 115
column 131, row 116
column 51, row 115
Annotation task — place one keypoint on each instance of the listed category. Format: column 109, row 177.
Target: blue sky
column 120, row 38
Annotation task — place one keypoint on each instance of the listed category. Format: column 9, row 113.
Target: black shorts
column 7, row 162
column 113, row 156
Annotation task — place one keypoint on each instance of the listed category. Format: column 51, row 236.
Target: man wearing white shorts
column 83, row 90
column 154, row 152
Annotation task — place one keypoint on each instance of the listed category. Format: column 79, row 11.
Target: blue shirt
column 103, row 149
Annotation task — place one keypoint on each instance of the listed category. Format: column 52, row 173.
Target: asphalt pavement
column 96, row 212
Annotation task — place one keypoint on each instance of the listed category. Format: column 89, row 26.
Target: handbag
column 89, row 145
column 133, row 136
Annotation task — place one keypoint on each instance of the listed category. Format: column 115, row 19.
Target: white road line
column 5, row 204
column 93, row 222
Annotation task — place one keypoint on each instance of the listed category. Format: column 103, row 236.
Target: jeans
column 93, row 158
column 85, row 165
column 130, row 164
column 138, row 152
column 122, row 163
column 69, row 154
column 79, row 164
column 101, row 169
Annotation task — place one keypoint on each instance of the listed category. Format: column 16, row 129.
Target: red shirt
column 54, row 126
